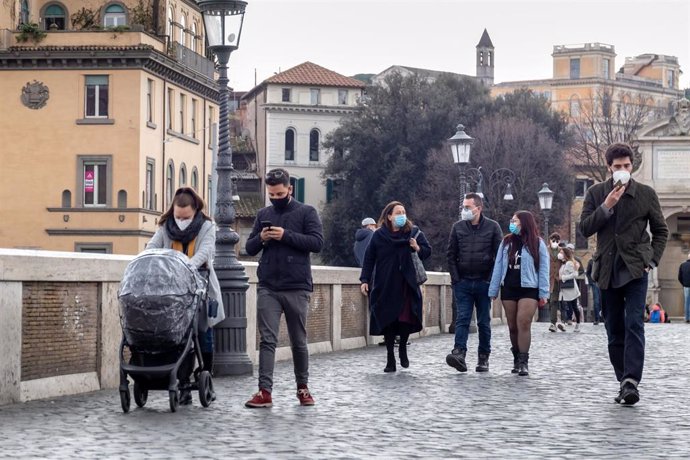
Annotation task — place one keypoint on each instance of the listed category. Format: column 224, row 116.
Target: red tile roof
column 309, row 73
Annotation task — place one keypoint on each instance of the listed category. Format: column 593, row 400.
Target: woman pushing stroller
column 186, row 228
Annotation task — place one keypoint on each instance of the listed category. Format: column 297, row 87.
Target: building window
column 581, row 186
column 183, row 25
column 169, row 183
column 297, row 189
column 66, row 199
column 150, row 184
column 54, row 17
column 286, row 95
column 183, row 175
column 605, row 68
column 210, row 127
column 195, row 40
column 24, row 12
column 289, row 144
column 122, row 199
column 575, row 68
column 171, row 95
column 114, row 16
column 183, row 106
column 94, row 248
column 670, row 78
column 94, row 181
column 171, row 19
column 314, row 145
column 342, row 96
column 192, row 125
column 315, row 96
column 96, row 100
column 149, row 100
column 195, row 179
column 332, row 189
column 574, row 107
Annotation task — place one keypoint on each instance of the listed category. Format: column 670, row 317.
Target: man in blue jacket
column 362, row 237
column 285, row 233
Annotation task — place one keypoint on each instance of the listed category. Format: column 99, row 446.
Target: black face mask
column 280, row 203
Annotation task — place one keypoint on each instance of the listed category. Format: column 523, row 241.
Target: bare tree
column 607, row 116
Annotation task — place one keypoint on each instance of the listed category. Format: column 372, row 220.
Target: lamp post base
column 232, row 364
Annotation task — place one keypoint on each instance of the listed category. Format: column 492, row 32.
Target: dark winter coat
column 285, row 265
column 623, row 230
column 391, row 255
column 472, row 252
column 684, row 273
column 362, row 238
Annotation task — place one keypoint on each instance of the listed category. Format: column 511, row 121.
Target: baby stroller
column 161, row 297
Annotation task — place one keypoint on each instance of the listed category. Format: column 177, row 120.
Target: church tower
column 485, row 60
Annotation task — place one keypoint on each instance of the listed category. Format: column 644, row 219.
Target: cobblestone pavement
column 564, row 409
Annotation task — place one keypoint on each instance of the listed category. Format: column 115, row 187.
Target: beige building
column 111, row 105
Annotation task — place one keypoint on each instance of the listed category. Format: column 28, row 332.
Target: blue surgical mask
column 514, row 229
column 400, row 220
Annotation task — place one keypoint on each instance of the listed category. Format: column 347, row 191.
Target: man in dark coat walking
column 619, row 211
column 362, row 237
column 684, row 279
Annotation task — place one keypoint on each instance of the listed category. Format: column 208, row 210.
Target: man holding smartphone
column 285, row 233
column 619, row 211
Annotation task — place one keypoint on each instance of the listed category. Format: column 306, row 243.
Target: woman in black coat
column 395, row 300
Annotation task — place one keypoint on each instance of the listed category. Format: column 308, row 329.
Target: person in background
column 596, row 293
column 395, row 298
column 521, row 272
column 555, row 307
column 186, row 228
column 569, row 295
column 362, row 237
column 684, row 280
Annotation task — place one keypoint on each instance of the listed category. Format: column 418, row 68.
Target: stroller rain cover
column 159, row 295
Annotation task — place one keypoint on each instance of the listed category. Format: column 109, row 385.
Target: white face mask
column 466, row 214
column 183, row 224
column 561, row 256
column 623, row 176
column 554, row 245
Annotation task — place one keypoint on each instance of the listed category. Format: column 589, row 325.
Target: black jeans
column 623, row 312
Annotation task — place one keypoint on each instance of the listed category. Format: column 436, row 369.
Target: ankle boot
column 482, row 363
column 522, row 367
column 516, row 361
column 390, row 354
column 456, row 359
column 402, row 351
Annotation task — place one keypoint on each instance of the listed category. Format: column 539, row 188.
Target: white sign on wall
column 672, row 164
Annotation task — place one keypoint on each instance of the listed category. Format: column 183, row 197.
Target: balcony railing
column 193, row 60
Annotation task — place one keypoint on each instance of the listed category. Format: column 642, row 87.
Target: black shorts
column 513, row 293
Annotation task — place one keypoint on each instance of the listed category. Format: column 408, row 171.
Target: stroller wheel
column 174, row 400
column 140, row 395
column 125, row 400
column 206, row 393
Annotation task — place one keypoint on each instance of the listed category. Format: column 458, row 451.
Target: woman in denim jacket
column 524, row 283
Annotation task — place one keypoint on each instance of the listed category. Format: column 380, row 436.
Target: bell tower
column 485, row 60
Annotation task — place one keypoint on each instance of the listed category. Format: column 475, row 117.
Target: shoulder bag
column 419, row 270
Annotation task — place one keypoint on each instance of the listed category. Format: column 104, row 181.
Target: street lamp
column 223, row 24
column 545, row 202
column 460, row 145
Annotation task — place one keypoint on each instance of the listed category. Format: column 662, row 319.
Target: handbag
column 419, row 270
column 568, row 284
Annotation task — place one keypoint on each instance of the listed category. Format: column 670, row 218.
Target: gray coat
column 204, row 251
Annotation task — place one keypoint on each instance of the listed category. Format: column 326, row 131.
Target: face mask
column 280, row 203
column 466, row 214
column 554, row 245
column 623, row 176
column 514, row 229
column 400, row 220
column 561, row 256
column 182, row 224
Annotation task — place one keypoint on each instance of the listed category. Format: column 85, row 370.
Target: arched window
column 54, row 17
column 24, row 12
column 122, row 199
column 314, row 145
column 114, row 15
column 183, row 175
column 183, row 26
column 66, row 199
column 170, row 182
column 195, row 179
column 171, row 19
column 290, row 144
column 195, row 41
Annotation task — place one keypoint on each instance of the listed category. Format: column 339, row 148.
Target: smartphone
column 618, row 184
column 266, row 224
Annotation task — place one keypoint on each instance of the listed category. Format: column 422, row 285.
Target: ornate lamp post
column 223, row 24
column 545, row 202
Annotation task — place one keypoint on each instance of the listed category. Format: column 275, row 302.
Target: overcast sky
column 367, row 36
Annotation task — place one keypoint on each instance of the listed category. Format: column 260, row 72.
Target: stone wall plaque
column 35, row 95
column 673, row 164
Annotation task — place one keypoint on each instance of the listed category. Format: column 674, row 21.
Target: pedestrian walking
column 472, row 247
column 620, row 211
column 285, row 233
column 596, row 293
column 185, row 227
column 362, row 237
column 569, row 292
column 395, row 298
column 521, row 271
column 555, row 306
column 684, row 280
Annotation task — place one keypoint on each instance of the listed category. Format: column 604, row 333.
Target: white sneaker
column 577, row 327
column 552, row 328
column 561, row 327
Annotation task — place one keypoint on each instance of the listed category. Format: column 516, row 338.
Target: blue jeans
column 596, row 300
column 468, row 295
column 623, row 311
column 687, row 303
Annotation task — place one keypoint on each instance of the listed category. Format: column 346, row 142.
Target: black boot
column 402, row 351
column 456, row 359
column 523, row 359
column 516, row 361
column 482, row 363
column 390, row 354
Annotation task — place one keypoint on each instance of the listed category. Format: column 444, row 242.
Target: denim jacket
column 528, row 275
